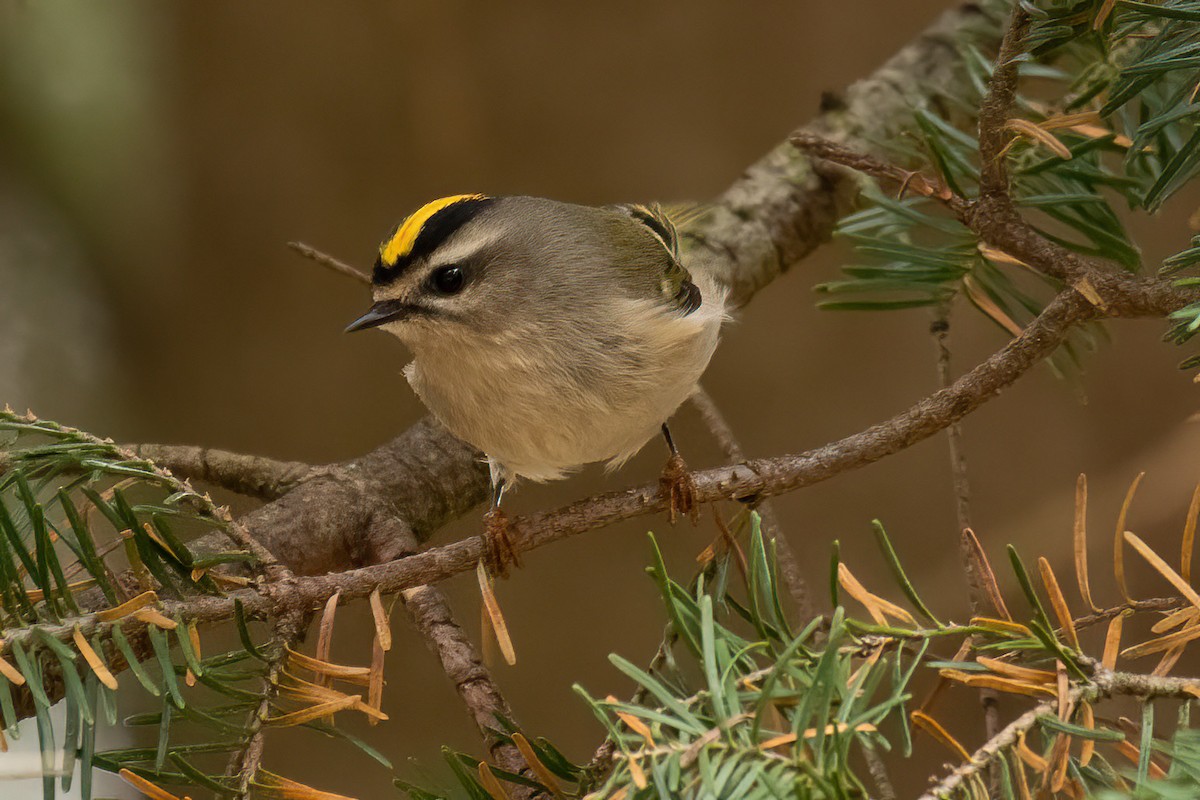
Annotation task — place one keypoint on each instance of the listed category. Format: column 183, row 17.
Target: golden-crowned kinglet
column 548, row 335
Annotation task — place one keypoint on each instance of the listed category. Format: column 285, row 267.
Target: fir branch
column 246, row 761
column 906, row 180
column 1148, row 604
column 1104, row 683
column 430, row 613
column 940, row 330
column 988, row 698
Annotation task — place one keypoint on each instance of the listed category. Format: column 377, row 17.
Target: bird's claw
column 499, row 551
column 679, row 490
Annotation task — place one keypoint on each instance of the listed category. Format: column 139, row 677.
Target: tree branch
column 471, row 678
column 254, row 476
column 430, row 613
column 329, row 262
column 940, row 329
column 996, row 107
column 424, row 477
column 995, row 220
column 988, row 698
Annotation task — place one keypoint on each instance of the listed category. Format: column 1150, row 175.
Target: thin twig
column 460, row 660
column 1104, row 684
column 789, row 565
column 717, row 425
column 247, row 759
column 958, row 459
column 996, row 107
column 994, row 216
column 430, row 613
column 326, row 260
column 879, row 773
column 598, row 769
column 907, row 180
column 988, row 698
column 1149, row 604
column 266, row 565
column 995, row 220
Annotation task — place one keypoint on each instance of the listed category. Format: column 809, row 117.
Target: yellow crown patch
column 401, row 242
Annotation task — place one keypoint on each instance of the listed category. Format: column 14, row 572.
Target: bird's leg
column 676, row 484
column 499, row 551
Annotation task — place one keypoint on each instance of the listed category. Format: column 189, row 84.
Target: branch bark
column 253, row 476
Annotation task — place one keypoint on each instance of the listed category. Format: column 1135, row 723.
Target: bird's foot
column 679, row 490
column 499, row 552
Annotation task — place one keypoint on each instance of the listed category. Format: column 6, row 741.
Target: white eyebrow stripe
column 462, row 247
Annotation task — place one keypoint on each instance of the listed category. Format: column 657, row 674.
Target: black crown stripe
column 432, row 234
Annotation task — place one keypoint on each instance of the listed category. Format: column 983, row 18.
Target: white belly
column 539, row 411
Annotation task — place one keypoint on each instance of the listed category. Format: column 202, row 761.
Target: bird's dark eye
column 448, row 280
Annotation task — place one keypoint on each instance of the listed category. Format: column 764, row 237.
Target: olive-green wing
column 678, row 289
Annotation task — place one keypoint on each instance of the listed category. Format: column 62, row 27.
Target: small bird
column 547, row 335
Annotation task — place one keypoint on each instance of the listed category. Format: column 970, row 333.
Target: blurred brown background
column 154, row 158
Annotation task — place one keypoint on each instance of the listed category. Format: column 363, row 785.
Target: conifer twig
column 997, row 104
column 246, row 760
column 988, row 698
column 908, row 181
column 879, row 773
column 1104, row 684
column 430, row 613
column 328, row 261
column 958, row 459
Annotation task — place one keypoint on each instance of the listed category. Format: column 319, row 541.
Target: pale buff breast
column 540, row 412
